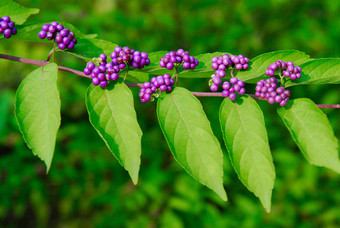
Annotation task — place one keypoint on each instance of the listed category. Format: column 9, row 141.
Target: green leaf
column 154, row 67
column 112, row 114
column 191, row 140
column 91, row 48
column 246, row 139
column 30, row 32
column 17, row 13
column 319, row 71
column 203, row 70
column 6, row 98
column 259, row 64
column 37, row 109
column 312, row 132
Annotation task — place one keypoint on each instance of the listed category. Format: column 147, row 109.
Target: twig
column 77, row 72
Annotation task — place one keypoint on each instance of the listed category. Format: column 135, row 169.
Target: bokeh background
column 86, row 187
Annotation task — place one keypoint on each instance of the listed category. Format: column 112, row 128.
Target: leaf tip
column 221, row 193
column 134, row 175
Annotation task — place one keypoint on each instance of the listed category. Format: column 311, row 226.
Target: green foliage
column 113, row 115
column 320, row 71
column 37, row 108
column 203, row 70
column 18, row 13
column 30, row 32
column 191, row 140
column 245, row 136
column 87, row 188
column 88, row 48
column 312, row 132
column 259, row 64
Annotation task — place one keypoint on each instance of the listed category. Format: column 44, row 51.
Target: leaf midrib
column 48, row 116
column 180, row 113
column 113, row 116
column 242, row 124
column 304, row 127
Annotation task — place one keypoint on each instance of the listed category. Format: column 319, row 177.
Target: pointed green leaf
column 203, row 70
column 30, row 32
column 319, row 71
column 87, row 48
column 191, row 140
column 37, row 109
column 259, row 64
column 113, row 115
column 312, row 132
column 246, row 139
column 17, row 13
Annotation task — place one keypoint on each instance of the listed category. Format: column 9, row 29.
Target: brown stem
column 140, row 85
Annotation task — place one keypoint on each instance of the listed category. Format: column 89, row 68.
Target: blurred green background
column 86, row 187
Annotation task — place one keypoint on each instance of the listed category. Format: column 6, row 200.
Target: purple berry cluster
column 103, row 73
column 7, row 27
column 62, row 36
column 268, row 90
column 223, row 62
column 160, row 83
column 126, row 56
column 287, row 69
column 175, row 59
column 231, row 88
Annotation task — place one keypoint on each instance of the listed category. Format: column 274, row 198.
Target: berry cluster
column 160, row 83
column 288, row 69
column 7, row 27
column 229, row 88
column 62, row 36
column 223, row 62
column 102, row 74
column 268, row 90
column 126, row 56
column 175, row 59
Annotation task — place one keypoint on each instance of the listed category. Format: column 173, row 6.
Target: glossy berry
column 7, row 27
column 222, row 63
column 287, row 69
column 102, row 74
column 62, row 36
column 123, row 57
column 174, row 59
column 230, row 88
column 161, row 83
column 268, row 90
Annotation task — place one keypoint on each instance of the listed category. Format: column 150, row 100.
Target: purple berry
column 225, row 93
column 216, row 80
column 95, row 81
column 271, row 100
column 213, row 88
column 103, row 84
column 87, row 71
column 169, row 66
column 242, row 91
column 226, row 85
column 233, row 80
column 232, row 96
column 186, row 65
column 42, row 34
column 61, row 46
column 6, row 19
column 114, row 76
